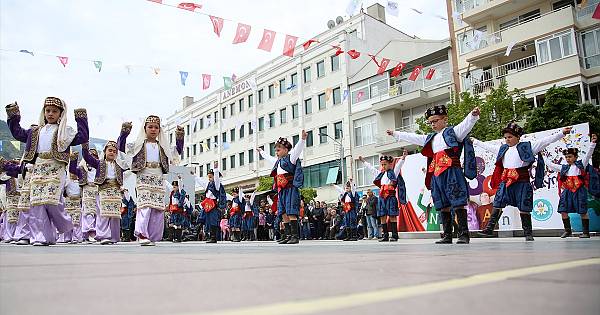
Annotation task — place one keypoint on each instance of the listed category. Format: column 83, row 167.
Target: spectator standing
column 370, row 206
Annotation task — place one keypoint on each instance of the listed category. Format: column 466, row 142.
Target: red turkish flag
column 398, row 69
column 596, row 14
column 205, row 81
column 289, row 45
column 242, row 33
column 157, row 1
column 430, row 73
column 217, row 23
column 266, row 43
column 189, row 6
column 415, row 73
column 308, row 43
column 374, row 59
column 383, row 66
column 339, row 51
column 353, row 54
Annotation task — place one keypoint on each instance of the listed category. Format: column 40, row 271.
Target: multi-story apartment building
column 532, row 45
column 308, row 92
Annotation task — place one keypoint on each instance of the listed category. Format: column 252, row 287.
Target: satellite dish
column 339, row 20
column 331, row 24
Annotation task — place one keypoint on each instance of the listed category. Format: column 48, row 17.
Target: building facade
column 532, row 45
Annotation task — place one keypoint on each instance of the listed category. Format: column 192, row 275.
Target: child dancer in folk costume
column 128, row 209
column 89, row 197
column 73, row 203
column 249, row 215
column 214, row 203
column 574, row 178
column 109, row 179
column 48, row 147
column 350, row 204
column 177, row 219
column 511, row 175
column 11, row 212
column 288, row 178
column 445, row 177
column 392, row 190
column 235, row 216
column 150, row 161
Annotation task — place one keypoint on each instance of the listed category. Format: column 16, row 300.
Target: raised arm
column 486, row 146
column 420, row 201
column 88, row 157
column 217, row 177
column 408, row 137
column 200, row 181
column 370, row 167
column 297, row 150
column 551, row 165
column 252, row 197
column 83, row 131
column 462, row 130
column 588, row 155
column 541, row 144
column 399, row 163
column 267, row 156
column 14, row 122
column 339, row 189
column 73, row 169
column 122, row 140
column 269, row 200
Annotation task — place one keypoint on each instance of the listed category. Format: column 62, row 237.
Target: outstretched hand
column 304, row 134
column 362, row 159
column 594, row 138
column 476, row 111
column 390, row 132
column 567, row 130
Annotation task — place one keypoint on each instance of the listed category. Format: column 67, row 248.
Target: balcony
column 584, row 15
column 387, row 143
column 408, row 94
column 525, row 31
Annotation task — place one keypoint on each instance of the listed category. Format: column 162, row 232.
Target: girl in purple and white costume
column 10, row 215
column 89, row 198
column 73, row 207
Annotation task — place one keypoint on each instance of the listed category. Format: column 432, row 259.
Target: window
column 282, row 116
column 322, row 102
column 591, row 48
column 241, row 158
column 306, row 74
column 363, row 175
column 294, row 79
column 216, row 140
column 201, row 170
column 337, row 97
column 223, row 112
column 187, row 152
column 272, row 148
column 224, row 164
column 262, row 148
column 250, row 100
column 250, row 130
column 171, row 138
column 208, row 143
column 216, row 116
column 224, row 137
column 320, row 69
column 520, row 19
column 242, row 131
column 563, row 3
column 201, row 122
column 555, row 47
column 251, row 156
column 282, row 87
column 316, row 175
column 365, row 130
column 232, row 135
column 323, row 134
column 295, row 139
column 294, row 111
column 232, row 162
column 309, row 139
column 194, row 149
column 335, row 63
column 241, row 105
column 201, row 147
column 367, row 89
column 231, row 109
column 187, row 130
column 271, row 120
column 308, row 106
column 261, row 124
column 260, row 96
column 337, row 127
column 271, row 91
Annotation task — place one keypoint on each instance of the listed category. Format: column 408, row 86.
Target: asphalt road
column 489, row 276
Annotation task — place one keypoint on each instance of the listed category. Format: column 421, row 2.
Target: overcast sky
column 139, row 32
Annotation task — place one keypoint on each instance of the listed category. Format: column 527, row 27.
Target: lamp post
column 341, row 155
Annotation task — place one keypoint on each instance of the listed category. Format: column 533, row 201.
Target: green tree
column 561, row 108
column 265, row 183
column 308, row 194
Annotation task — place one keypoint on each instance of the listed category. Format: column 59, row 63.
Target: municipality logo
column 542, row 210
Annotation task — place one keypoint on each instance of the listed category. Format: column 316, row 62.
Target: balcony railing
column 588, row 10
column 408, row 86
column 385, row 139
column 591, row 61
column 468, row 5
column 493, row 77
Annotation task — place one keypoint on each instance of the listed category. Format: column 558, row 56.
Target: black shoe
column 385, row 235
column 567, row 224
column 394, row 228
column 488, row 231
column 213, row 235
column 566, row 234
column 447, row 225
column 463, row 224
column 293, row 239
column 527, row 227
column 585, row 223
column 584, row 235
column 286, row 233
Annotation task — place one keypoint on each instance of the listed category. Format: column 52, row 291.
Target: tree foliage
column 265, row 183
column 308, row 194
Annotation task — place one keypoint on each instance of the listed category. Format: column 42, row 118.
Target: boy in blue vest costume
column 235, row 215
column 445, row 177
column 247, row 203
column 511, row 175
column 177, row 219
column 392, row 190
column 573, row 178
column 214, row 204
column 288, row 178
column 350, row 204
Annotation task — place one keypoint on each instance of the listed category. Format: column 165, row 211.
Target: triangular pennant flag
column 157, row 1
column 217, row 23
column 419, row 12
column 308, row 43
column 227, row 83
column 346, row 92
column 26, row 51
column 233, row 77
column 63, row 60
column 373, row 57
column 268, row 38
column 430, row 74
column 242, row 33
column 156, row 70
column 205, row 81
column 189, row 6
column 183, row 76
column 353, row 54
column 338, row 50
column 289, row 45
column 415, row 73
column 596, row 14
column 291, row 87
column 392, row 8
column 383, row 66
column 398, row 69
column 98, row 65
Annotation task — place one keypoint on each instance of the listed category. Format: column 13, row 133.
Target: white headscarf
column 163, row 141
column 66, row 134
column 120, row 159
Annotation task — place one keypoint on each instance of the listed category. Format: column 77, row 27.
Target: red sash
column 283, row 181
column 572, row 183
column 441, row 162
column 274, row 205
column 233, row 211
column 208, row 204
column 513, row 175
column 387, row 190
column 348, row 206
column 174, row 208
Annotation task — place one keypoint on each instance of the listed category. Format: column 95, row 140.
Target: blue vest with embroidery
column 400, row 184
column 220, row 194
column 294, row 169
column 526, row 155
column 565, row 168
column 470, row 163
column 354, row 197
